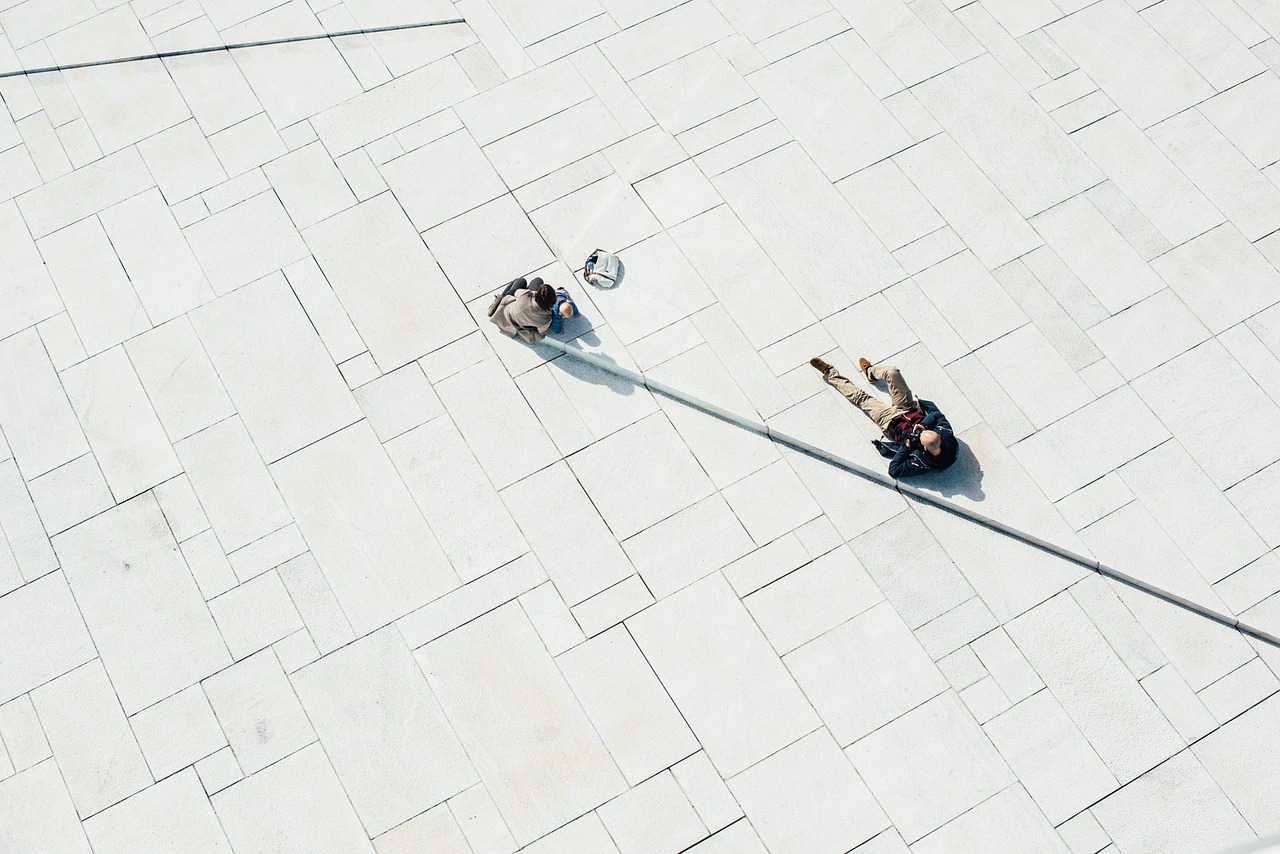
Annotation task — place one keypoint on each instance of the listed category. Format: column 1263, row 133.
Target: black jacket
column 908, row 462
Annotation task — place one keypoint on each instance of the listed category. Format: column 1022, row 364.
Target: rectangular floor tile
column 734, row 692
column 808, row 229
column 536, row 730
column 929, row 766
column 404, row 757
column 123, row 431
column 175, row 809
column 364, row 528
column 41, row 618
column 1010, row 138
column 39, row 423
column 297, row 803
column 129, row 552
column 640, row 725
column 90, row 739
column 257, row 337
column 1138, row 69
column 1107, row 704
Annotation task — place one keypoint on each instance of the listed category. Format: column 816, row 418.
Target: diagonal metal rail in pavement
column 909, row 491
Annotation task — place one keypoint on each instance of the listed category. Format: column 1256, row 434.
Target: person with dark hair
column 523, row 309
column 917, row 437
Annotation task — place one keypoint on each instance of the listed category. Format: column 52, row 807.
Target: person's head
column 545, row 296
column 931, row 441
column 566, row 309
column 940, row 448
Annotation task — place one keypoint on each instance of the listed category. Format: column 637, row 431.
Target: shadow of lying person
column 964, row 477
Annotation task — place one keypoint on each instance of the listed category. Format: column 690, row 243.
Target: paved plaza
column 300, row 554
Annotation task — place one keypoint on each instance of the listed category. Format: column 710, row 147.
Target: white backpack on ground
column 602, row 269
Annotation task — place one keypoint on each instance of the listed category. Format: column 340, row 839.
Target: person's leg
column 513, row 286
column 874, row 409
column 900, row 397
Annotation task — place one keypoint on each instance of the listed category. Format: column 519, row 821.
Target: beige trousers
column 900, row 397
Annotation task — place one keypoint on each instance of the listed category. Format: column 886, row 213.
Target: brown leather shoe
column 864, row 366
column 819, row 364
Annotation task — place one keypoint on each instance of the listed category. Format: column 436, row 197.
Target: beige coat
column 518, row 315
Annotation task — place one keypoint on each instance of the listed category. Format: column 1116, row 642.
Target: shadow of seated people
column 580, row 370
column 963, row 478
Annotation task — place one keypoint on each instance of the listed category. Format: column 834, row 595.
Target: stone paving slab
column 300, row 553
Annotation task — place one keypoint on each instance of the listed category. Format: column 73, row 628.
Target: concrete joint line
column 25, row 72
column 912, row 492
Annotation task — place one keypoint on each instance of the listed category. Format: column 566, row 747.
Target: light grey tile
column 640, row 725
column 610, row 607
column 909, row 565
column 175, row 809
column 536, row 730
column 1146, row 176
column 435, row 829
column 664, row 37
column 370, row 539
column 865, row 673
column 39, row 794
column 1223, row 174
column 42, row 618
column 1008, row 819
column 1239, row 690
column 498, row 425
column 709, row 795
column 1055, row 637
column 1244, row 113
column 1217, row 262
column 90, row 738
column 28, row 291
column 1029, row 158
column 297, row 801
column 1148, row 813
column 807, row 797
column 94, row 287
column 936, row 750
column 983, row 217
column 584, row 834
column 1109, row 267
column 899, row 38
column 1171, row 390
column 1214, row 536
column 692, row 89
column 884, row 197
column 257, row 364
column 582, row 564
column 653, row 816
column 1060, row 770
column 814, row 599
column 958, row 286
column 688, row 546
column 816, row 96
column 309, row 185
column 1088, row 443
column 1204, row 41
column 245, row 242
column 732, row 689
column 121, row 426
column 808, row 229
column 177, row 731
column 1240, row 756
column 640, row 475
column 1253, row 497
column 129, row 552
column 460, row 505
column 1148, row 333
column 66, row 496
column 442, row 179
column 255, row 615
column 391, row 770
column 1150, row 89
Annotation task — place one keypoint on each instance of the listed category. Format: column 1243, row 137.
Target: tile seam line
column 910, row 492
column 26, row 72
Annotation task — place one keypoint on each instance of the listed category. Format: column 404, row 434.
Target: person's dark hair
column 545, row 297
